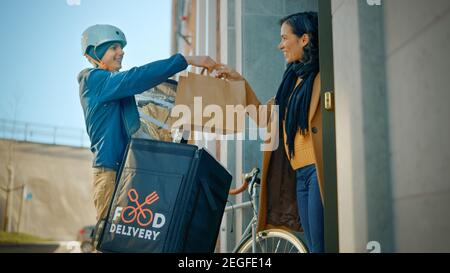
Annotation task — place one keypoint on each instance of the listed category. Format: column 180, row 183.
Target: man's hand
column 224, row 71
column 202, row 61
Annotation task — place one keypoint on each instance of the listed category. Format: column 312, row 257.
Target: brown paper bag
column 214, row 105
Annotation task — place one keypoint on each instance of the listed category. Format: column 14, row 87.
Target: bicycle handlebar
column 251, row 176
column 242, row 188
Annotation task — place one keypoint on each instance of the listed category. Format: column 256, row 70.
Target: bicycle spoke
column 278, row 245
column 286, row 245
column 259, row 243
column 291, row 248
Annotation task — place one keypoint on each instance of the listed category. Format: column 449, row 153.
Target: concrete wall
column 417, row 47
column 349, row 127
column 391, row 66
column 59, row 179
column 363, row 145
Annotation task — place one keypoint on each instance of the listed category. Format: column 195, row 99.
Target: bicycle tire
column 273, row 241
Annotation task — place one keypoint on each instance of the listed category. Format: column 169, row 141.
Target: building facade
column 388, row 163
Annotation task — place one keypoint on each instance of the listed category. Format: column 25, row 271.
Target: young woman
column 292, row 180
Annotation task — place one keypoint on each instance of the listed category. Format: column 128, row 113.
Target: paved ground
column 68, row 247
column 59, row 247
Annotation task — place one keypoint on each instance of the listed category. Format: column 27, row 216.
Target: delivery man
column 107, row 99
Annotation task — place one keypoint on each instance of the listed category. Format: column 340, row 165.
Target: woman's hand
column 224, row 71
column 202, row 61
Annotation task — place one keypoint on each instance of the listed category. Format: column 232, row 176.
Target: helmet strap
column 100, row 64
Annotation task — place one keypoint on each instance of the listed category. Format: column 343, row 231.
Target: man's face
column 113, row 57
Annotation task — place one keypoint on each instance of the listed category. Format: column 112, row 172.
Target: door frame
column 331, row 224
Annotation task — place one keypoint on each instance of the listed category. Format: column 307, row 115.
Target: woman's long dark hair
column 297, row 99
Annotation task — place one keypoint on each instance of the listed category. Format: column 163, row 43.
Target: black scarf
column 296, row 116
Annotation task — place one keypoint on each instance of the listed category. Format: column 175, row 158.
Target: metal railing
column 42, row 133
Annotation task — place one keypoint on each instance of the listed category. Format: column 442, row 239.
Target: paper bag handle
column 203, row 71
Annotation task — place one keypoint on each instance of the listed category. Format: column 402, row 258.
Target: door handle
column 329, row 100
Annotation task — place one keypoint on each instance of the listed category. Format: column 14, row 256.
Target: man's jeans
column 310, row 207
column 104, row 182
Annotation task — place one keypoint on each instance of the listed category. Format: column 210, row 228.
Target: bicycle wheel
column 274, row 241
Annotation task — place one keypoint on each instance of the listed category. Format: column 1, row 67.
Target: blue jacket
column 109, row 107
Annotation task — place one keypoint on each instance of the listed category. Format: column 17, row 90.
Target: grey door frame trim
column 331, row 224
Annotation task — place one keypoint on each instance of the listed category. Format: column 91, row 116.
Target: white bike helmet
column 97, row 35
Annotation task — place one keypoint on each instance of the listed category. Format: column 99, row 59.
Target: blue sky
column 41, row 52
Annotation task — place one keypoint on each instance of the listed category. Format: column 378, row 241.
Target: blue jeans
column 310, row 207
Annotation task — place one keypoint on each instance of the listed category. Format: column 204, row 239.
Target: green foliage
column 20, row 238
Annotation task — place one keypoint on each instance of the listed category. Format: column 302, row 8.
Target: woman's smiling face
column 291, row 45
